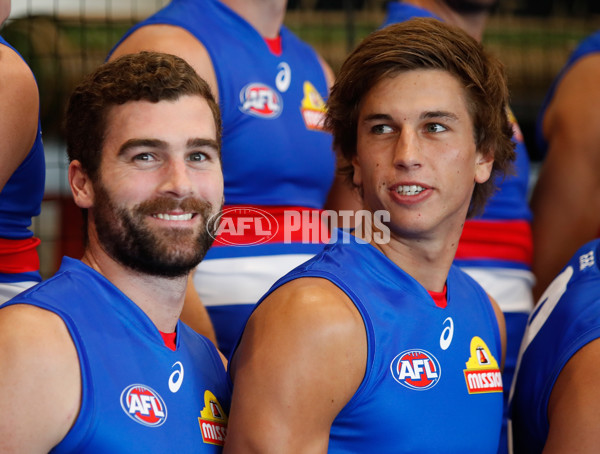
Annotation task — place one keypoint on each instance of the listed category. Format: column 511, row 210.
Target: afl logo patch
column 416, row 369
column 261, row 101
column 144, row 405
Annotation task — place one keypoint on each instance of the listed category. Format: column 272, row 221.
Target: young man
column 566, row 198
column 95, row 358
column 277, row 158
column 383, row 345
column 22, row 170
column 496, row 247
column 555, row 397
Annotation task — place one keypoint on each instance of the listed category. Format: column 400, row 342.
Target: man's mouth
column 409, row 189
column 173, row 217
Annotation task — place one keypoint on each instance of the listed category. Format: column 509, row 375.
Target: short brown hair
column 425, row 43
column 147, row 76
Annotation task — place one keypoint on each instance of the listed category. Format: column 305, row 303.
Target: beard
column 164, row 252
column 472, row 6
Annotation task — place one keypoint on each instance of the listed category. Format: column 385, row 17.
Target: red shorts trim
column 19, row 256
column 496, row 240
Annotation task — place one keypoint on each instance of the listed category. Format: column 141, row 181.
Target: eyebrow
column 439, row 114
column 377, row 116
column 423, row 116
column 162, row 145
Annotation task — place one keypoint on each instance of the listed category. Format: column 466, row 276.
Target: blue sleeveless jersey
column 588, row 46
column 20, row 201
column 432, row 382
column 137, row 394
column 274, row 154
column 566, row 318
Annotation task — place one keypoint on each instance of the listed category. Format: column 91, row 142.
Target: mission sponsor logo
column 212, row 420
column 482, row 373
column 312, row 107
column 261, row 101
column 416, row 369
column 144, row 405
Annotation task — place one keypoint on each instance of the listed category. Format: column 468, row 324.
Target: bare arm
column 40, row 382
column 574, row 406
column 171, row 40
column 301, row 358
column 566, row 199
column 19, row 111
column 194, row 313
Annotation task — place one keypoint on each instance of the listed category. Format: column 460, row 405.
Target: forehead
column 416, row 89
column 173, row 121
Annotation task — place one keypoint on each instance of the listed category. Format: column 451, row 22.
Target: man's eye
column 143, row 157
column 198, row 157
column 435, row 127
column 381, row 129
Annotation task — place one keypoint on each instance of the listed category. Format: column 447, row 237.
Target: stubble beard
column 166, row 252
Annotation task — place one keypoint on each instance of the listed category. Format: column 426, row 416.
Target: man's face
column 160, row 180
column 416, row 154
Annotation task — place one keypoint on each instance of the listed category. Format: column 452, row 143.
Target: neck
column 160, row 298
column 266, row 16
column 427, row 261
column 473, row 22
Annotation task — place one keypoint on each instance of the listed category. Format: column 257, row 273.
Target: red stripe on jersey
column 19, row 256
column 499, row 240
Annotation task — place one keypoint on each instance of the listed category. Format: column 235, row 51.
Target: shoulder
column 308, row 318
column 301, row 359
column 576, row 98
column 572, row 408
column 18, row 88
column 14, row 67
column 309, row 302
column 36, row 353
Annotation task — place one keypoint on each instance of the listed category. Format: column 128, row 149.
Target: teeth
column 174, row 217
column 409, row 190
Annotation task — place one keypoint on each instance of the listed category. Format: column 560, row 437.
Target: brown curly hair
column 425, row 43
column 148, row 76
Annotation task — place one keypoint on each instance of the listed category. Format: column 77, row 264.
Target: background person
column 383, row 345
column 276, row 157
column 566, row 198
column 22, row 170
column 102, row 337
column 554, row 402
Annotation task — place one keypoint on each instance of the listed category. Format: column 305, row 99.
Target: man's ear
column 357, row 175
column 484, row 165
column 81, row 185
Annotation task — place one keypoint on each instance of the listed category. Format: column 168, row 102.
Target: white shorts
column 242, row 280
column 12, row 289
column 511, row 288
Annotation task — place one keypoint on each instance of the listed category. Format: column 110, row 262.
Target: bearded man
column 95, row 359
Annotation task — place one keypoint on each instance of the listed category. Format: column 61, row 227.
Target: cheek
column 211, row 188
